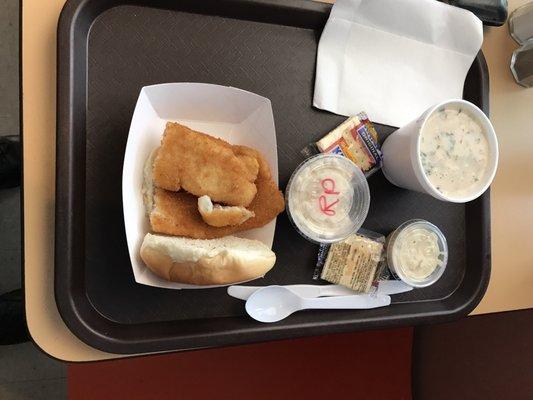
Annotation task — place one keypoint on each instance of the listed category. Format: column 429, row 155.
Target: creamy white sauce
column 454, row 153
column 321, row 196
column 416, row 251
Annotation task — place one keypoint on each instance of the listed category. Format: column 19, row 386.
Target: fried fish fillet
column 176, row 213
column 203, row 165
column 217, row 215
column 260, row 168
column 251, row 165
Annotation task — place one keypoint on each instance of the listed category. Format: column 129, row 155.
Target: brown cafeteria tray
column 107, row 51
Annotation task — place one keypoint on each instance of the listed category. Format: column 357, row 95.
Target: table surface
column 512, row 193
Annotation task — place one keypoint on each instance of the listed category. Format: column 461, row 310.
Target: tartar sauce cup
column 402, row 163
column 327, row 198
column 417, row 253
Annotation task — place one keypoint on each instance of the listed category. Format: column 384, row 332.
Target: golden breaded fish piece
column 217, row 215
column 262, row 170
column 203, row 165
column 251, row 164
column 176, row 213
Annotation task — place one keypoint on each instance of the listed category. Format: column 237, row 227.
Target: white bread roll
column 148, row 182
column 206, row 262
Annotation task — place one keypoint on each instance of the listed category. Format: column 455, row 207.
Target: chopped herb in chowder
column 454, row 152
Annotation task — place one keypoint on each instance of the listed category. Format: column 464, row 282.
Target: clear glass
column 521, row 23
column 522, row 64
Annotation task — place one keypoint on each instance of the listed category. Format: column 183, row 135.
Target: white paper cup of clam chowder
column 450, row 152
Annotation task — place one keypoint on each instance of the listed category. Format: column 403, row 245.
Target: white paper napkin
column 394, row 58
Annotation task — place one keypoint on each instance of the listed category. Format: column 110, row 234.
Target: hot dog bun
column 206, row 262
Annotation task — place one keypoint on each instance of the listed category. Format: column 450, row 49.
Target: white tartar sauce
column 454, row 152
column 417, row 252
column 321, row 196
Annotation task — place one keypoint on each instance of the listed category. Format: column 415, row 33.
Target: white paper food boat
column 235, row 115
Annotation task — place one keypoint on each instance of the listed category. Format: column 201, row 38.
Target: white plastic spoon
column 274, row 303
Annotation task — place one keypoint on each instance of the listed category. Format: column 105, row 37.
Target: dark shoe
column 12, row 318
column 10, row 161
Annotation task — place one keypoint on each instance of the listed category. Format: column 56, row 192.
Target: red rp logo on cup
column 326, row 207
